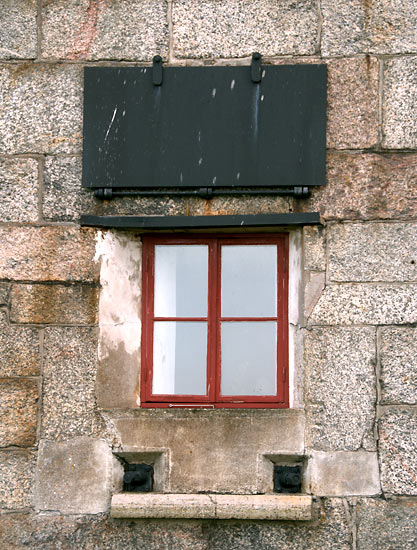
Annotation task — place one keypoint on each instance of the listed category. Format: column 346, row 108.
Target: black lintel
column 201, row 222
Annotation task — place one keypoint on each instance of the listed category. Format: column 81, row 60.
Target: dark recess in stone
column 287, row 479
column 138, row 478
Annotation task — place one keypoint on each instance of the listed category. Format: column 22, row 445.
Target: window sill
column 212, row 506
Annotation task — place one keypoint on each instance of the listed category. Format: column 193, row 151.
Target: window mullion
column 212, row 323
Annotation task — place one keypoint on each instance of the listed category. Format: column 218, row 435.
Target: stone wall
column 356, row 333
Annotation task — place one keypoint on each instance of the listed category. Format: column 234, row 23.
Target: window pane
column 249, row 355
column 179, row 358
column 249, row 281
column 181, row 275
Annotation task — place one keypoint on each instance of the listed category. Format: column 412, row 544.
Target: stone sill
column 211, row 506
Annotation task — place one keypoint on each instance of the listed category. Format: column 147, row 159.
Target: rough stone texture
column 383, row 525
column 19, row 350
column 314, row 248
column 212, row 506
column 18, row 33
column 63, row 197
column 4, row 293
column 127, row 29
column 398, row 451
column 341, row 391
column 54, row 304
column 373, row 252
column 50, row 532
column 352, row 103
column 344, row 473
column 238, row 28
column 18, row 412
column 215, row 450
column 224, row 205
column 372, row 304
column 69, row 376
column 18, row 190
column 47, row 254
column 399, row 108
column 377, row 26
column 47, row 532
column 366, row 186
column 76, row 477
column 398, row 358
column 41, row 108
column 332, row 531
column 16, row 475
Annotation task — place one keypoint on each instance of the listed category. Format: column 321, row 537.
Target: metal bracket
column 255, row 70
column 107, row 193
column 104, row 193
column 157, row 70
column 301, row 192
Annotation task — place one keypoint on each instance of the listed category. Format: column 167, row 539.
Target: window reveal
column 215, row 321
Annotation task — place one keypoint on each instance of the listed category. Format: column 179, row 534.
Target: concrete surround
column 212, row 506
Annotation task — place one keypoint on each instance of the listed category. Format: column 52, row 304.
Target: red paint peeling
column 87, row 33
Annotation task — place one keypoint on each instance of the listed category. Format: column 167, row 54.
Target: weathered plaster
column 295, row 316
column 119, row 320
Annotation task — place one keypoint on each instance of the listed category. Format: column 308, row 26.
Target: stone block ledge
column 212, row 506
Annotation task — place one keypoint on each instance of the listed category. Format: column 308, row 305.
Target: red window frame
column 213, row 397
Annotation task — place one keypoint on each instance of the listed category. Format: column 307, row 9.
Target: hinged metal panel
column 204, row 127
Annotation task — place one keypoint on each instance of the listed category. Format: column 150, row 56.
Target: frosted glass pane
column 179, row 358
column 181, row 281
column 249, row 358
column 249, row 281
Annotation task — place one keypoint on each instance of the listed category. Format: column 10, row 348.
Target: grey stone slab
column 18, row 29
column 332, row 531
column 54, row 304
column 18, row 412
column 77, row 476
column 378, row 26
column 399, row 123
column 238, row 28
column 19, row 350
column 314, row 248
column 68, row 407
column 48, row 254
column 16, row 479
column 315, row 283
column 373, row 252
column 370, row 304
column 398, row 359
column 386, row 524
column 41, row 108
column 366, row 187
column 344, row 473
column 125, row 30
column 340, row 388
column 352, row 103
column 18, row 190
column 98, row 532
column 398, row 451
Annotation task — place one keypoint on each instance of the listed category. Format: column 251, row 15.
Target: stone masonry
column 69, row 363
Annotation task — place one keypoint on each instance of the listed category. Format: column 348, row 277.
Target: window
column 215, row 321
